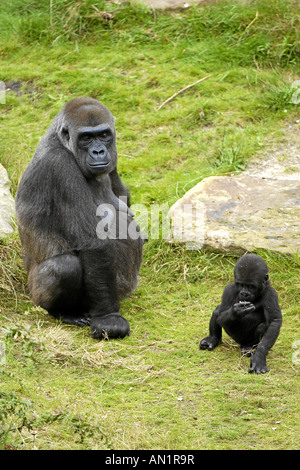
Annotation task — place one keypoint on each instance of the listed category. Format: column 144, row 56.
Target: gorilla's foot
column 247, row 350
column 112, row 325
column 78, row 320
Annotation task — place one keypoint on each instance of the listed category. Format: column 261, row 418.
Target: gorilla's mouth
column 99, row 165
column 250, row 298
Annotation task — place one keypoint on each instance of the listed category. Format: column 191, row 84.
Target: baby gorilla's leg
column 248, row 349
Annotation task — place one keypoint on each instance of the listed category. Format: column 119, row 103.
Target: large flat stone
column 240, row 213
column 7, row 204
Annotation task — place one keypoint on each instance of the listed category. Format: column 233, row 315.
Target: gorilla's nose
column 245, row 295
column 96, row 153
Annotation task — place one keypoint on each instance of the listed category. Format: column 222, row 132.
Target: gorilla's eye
column 85, row 138
column 105, row 135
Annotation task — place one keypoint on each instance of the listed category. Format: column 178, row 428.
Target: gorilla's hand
column 112, row 325
column 258, row 363
column 242, row 308
column 210, row 342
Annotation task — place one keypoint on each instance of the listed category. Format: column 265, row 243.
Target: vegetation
column 60, row 389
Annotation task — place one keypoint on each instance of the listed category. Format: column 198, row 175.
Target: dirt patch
column 20, row 88
column 281, row 162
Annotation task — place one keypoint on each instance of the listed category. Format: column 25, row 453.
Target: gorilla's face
column 92, row 146
column 247, row 290
column 88, row 132
column 251, row 277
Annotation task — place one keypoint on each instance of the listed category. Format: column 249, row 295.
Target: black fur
column 249, row 313
column 74, row 274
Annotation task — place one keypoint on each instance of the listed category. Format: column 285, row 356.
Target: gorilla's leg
column 56, row 285
column 248, row 350
column 101, row 298
column 215, row 332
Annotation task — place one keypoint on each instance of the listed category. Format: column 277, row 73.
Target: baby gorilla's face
column 251, row 277
column 247, row 291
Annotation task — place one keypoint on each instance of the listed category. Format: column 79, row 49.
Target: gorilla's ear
column 65, row 134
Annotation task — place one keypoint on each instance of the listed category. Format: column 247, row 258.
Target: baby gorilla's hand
column 210, row 342
column 258, row 364
column 243, row 308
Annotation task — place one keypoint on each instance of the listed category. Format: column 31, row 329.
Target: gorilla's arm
column 273, row 318
column 48, row 207
column 215, row 332
column 118, row 187
column 220, row 317
column 101, row 294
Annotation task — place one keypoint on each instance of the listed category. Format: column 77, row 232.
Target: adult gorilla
column 79, row 264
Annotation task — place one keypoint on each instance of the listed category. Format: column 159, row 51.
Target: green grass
column 60, row 389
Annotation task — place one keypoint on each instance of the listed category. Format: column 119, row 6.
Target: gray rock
column 7, row 204
column 259, row 208
column 240, row 213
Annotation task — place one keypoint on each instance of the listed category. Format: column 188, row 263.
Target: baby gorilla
column 249, row 313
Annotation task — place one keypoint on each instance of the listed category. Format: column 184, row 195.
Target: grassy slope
column 155, row 389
